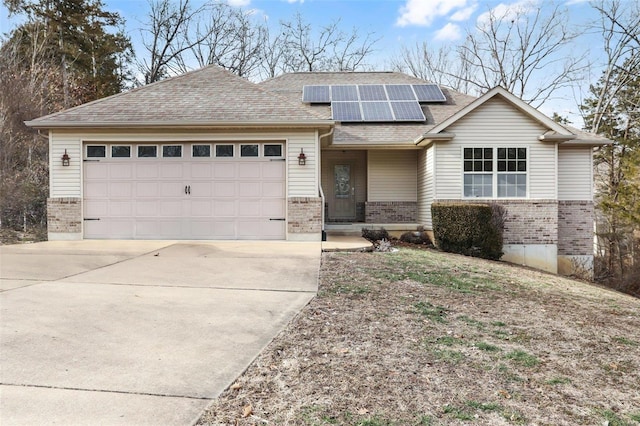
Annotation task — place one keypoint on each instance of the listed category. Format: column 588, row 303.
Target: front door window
column 343, row 181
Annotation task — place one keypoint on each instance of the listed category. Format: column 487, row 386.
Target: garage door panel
column 224, row 208
column 120, row 208
column 147, row 170
column 249, row 189
column 120, row 189
column 273, row 170
column 120, row 171
column 224, row 170
column 249, row 170
column 147, row 189
column 225, row 198
column 225, row 189
column 146, row 208
column 273, row 189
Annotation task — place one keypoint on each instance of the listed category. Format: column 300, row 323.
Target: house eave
column 555, row 137
column 428, row 138
column 179, row 124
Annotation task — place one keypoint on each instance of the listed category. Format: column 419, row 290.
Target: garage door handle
column 187, row 189
column 279, row 218
column 91, row 218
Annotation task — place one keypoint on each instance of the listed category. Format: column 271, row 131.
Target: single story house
column 209, row 155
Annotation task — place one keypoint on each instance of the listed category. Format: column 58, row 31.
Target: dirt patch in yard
column 419, row 337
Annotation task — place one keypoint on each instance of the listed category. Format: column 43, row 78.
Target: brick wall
column 391, row 212
column 575, row 228
column 305, row 215
column 64, row 215
column 527, row 222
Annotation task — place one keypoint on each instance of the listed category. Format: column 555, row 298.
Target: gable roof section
column 209, row 96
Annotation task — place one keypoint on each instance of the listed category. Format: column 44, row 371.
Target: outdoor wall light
column 302, row 159
column 65, row 159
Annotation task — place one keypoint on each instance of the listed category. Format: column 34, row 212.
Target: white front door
column 185, row 196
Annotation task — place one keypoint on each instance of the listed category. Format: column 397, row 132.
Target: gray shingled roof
column 290, row 86
column 209, row 95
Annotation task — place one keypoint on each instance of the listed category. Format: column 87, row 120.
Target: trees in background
column 613, row 109
column 66, row 52
column 178, row 37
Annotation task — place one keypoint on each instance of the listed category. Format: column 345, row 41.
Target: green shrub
column 469, row 229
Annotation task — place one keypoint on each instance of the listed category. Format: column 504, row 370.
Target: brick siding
column 575, row 228
column 527, row 222
column 64, row 215
column 305, row 215
column 391, row 212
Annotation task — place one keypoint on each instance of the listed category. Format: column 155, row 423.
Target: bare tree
column 619, row 24
column 328, row 49
column 520, row 48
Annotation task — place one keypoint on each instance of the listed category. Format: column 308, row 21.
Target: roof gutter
column 176, row 124
column 427, row 138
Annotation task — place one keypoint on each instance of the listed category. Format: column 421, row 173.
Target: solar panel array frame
column 374, row 102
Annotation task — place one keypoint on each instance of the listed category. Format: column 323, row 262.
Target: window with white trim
column 96, row 151
column 499, row 171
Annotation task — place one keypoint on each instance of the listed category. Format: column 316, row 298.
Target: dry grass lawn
column 419, row 337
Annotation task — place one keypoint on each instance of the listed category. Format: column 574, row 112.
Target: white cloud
column 507, row 12
column 449, row 32
column 423, row 13
column 239, row 3
column 464, row 14
column 295, row 1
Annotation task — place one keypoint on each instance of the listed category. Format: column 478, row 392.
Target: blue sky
column 395, row 22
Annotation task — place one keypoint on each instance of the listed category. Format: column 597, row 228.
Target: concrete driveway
column 139, row 332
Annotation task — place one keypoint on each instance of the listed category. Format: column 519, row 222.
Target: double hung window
column 495, row 172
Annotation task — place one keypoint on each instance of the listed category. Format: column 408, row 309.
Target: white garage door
column 187, row 191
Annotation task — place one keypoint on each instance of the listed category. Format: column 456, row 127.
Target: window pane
column 468, row 166
column 502, row 153
column 477, row 153
column 120, row 151
column 488, row 153
column 224, row 150
column 172, row 151
column 488, row 166
column 248, row 150
column 273, row 150
column 477, row 166
column 502, row 166
column 511, row 153
column 201, row 150
column 468, row 154
column 522, row 153
column 511, row 166
column 147, row 151
column 96, row 151
column 522, row 166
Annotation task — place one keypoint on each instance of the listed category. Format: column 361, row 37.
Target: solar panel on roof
column 344, row 93
column 316, row 94
column 429, row 93
column 376, row 111
column 400, row 92
column 346, row 111
column 372, row 92
column 407, row 111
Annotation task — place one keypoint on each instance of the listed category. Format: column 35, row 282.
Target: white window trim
column 86, row 150
column 282, row 153
column 249, row 144
column 215, row 150
column 120, row 144
column 171, row 144
column 494, row 174
column 211, row 150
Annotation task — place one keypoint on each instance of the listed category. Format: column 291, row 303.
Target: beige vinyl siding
column 302, row 181
column 575, row 181
column 425, row 185
column 496, row 124
column 65, row 181
column 393, row 175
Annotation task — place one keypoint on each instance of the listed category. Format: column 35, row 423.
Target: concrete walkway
column 139, row 332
